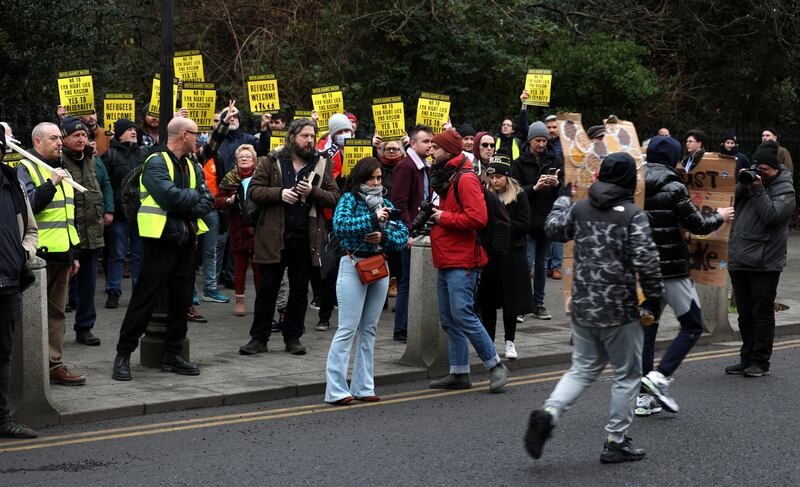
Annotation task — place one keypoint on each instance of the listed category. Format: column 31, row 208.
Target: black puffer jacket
column 119, row 161
column 668, row 206
column 526, row 170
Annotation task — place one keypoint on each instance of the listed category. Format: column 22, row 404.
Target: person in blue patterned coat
column 363, row 226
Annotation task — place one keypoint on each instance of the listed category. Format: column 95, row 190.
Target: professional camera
column 425, row 211
column 749, row 175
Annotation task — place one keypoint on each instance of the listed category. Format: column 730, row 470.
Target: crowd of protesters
column 223, row 202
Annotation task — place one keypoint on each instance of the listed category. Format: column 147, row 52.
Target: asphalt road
column 730, row 431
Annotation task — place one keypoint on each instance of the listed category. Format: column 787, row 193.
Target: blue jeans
column 124, row 236
column 211, row 252
column 556, row 256
column 85, row 282
column 538, row 251
column 401, row 302
column 360, row 308
column 456, row 294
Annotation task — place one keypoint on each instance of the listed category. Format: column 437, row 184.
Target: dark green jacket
column 89, row 205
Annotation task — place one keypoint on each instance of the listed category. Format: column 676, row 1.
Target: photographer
column 765, row 201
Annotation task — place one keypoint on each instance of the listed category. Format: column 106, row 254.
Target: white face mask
column 342, row 137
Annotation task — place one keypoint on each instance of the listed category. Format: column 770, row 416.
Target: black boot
column 122, row 367
column 176, row 363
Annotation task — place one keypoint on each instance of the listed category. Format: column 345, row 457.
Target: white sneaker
column 511, row 352
column 658, row 385
column 520, row 319
column 646, row 405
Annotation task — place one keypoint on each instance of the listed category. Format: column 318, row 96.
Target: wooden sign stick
column 38, row 161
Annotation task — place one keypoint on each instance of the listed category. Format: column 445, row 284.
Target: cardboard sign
column 712, row 185
column 327, row 101
column 155, row 96
column 189, row 65
column 116, row 106
column 390, row 118
column 433, row 110
column 76, row 92
column 277, row 138
column 262, row 90
column 582, row 158
column 354, row 151
column 200, row 99
column 538, row 83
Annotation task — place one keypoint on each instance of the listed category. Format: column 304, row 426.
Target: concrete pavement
column 229, row 378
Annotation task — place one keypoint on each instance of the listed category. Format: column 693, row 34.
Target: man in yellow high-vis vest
column 173, row 199
column 54, row 209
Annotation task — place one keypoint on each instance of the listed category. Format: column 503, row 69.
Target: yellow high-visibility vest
column 514, row 148
column 151, row 218
column 56, row 221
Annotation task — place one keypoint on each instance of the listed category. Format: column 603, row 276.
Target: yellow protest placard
column 76, row 92
column 262, row 89
column 155, row 96
column 12, row 159
column 327, row 101
column 200, row 99
column 433, row 110
column 277, row 138
column 189, row 65
column 390, row 118
column 116, row 106
column 354, row 151
column 298, row 114
column 538, row 83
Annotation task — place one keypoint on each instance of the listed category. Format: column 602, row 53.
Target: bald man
column 174, row 199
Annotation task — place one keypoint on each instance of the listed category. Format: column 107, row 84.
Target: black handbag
column 331, row 255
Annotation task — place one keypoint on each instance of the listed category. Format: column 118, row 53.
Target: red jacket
column 454, row 241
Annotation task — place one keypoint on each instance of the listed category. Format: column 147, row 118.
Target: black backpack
column 130, row 197
column 495, row 237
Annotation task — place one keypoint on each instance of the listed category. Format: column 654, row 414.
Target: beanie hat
column 729, row 135
column 466, row 130
column 767, row 153
column 449, row 140
column 773, row 130
column 70, row 125
column 122, row 125
column 499, row 164
column 338, row 122
column 596, row 131
column 619, row 168
column 664, row 150
column 537, row 129
column 351, row 117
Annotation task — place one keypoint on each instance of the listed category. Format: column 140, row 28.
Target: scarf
column 391, row 162
column 373, row 197
column 442, row 174
column 246, row 174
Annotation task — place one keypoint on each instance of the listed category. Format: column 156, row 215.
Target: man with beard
column 291, row 187
column 150, row 128
column 54, row 209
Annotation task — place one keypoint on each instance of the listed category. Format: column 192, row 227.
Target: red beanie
column 449, row 140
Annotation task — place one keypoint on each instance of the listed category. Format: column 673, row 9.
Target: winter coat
column 761, row 228
column 265, row 190
column 408, row 188
column 526, row 170
column 183, row 204
column 505, row 281
column 742, row 160
column 454, row 240
column 105, row 186
column 612, row 244
column 669, row 208
column 696, row 160
column 353, row 220
column 241, row 236
column 120, row 160
column 226, row 155
column 89, row 205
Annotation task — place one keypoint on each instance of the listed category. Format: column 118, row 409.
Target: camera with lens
column 749, row 175
column 418, row 223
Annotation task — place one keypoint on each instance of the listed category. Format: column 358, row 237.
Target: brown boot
column 557, row 274
column 393, row 288
column 238, row 309
column 64, row 377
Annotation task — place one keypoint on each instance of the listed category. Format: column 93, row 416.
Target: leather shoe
column 113, row 301
column 61, row 376
column 253, row 347
column 294, row 346
column 176, row 363
column 87, row 338
column 122, row 367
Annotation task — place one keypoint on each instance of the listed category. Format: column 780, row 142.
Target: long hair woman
column 504, row 281
column 363, row 226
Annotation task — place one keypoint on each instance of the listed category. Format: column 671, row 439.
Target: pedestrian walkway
column 229, row 378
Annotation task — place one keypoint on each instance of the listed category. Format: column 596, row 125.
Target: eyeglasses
column 245, row 156
column 392, row 149
column 196, row 134
column 486, row 145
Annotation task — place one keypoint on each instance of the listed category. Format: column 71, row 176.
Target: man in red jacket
column 459, row 258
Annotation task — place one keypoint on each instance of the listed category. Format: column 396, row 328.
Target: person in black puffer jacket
column 123, row 156
column 669, row 209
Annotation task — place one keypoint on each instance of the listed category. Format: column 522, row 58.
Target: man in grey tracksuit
column 612, row 245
